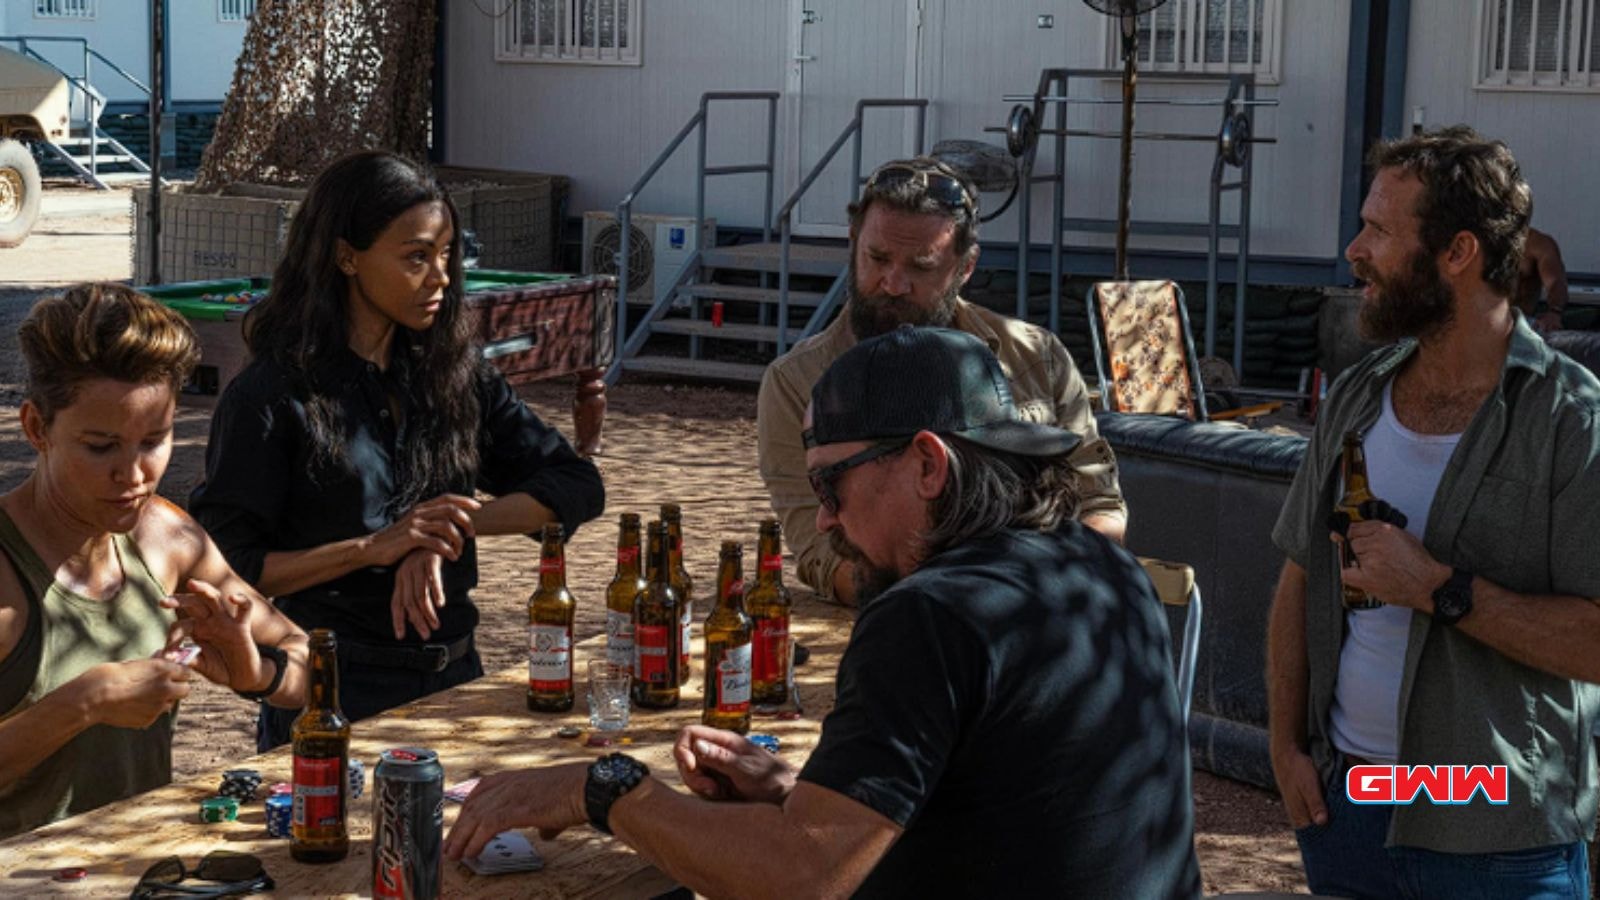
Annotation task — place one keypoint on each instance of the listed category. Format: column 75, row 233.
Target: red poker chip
column 788, row 715
column 72, row 874
column 598, row 741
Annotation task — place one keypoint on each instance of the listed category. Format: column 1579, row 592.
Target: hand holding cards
column 508, row 852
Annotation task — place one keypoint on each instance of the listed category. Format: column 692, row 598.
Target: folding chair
column 1175, row 585
column 1146, row 362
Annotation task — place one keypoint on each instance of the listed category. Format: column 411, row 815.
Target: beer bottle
column 550, row 613
column 768, row 604
column 672, row 517
column 620, row 595
column 1353, row 471
column 727, row 664
column 321, row 736
column 657, row 631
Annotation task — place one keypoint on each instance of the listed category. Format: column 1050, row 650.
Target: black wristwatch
column 1453, row 599
column 277, row 655
column 610, row 777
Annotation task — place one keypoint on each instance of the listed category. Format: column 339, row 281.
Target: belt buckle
column 441, row 653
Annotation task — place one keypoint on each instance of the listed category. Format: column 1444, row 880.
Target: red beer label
column 619, row 638
column 627, row 556
column 547, row 566
column 319, row 786
column 771, row 641
column 650, row 646
column 772, row 563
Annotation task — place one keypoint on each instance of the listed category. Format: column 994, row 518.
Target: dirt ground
column 664, row 442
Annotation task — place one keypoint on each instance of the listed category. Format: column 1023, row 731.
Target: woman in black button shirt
column 343, row 459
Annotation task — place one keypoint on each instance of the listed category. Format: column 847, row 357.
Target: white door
column 844, row 51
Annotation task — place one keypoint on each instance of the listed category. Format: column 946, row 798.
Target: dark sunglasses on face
column 824, row 480
column 947, row 190
column 234, row 874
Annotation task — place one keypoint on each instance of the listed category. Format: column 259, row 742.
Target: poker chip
column 72, row 874
column 240, row 784
column 789, row 715
column 569, row 731
column 767, row 742
column 282, row 787
column 358, row 777
column 596, row 740
column 219, row 809
column 280, row 807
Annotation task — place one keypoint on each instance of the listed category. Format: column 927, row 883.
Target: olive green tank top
column 66, row 634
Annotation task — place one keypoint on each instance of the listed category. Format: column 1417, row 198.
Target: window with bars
column 235, row 10
column 63, row 9
column 1538, row 44
column 593, row 32
column 1218, row 36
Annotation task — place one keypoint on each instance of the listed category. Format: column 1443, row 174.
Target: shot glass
column 608, row 695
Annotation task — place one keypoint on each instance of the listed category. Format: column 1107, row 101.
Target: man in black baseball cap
column 1006, row 722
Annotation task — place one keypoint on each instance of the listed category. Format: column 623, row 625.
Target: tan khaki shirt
column 1044, row 383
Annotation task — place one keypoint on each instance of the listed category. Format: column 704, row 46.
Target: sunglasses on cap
column 233, row 874
column 825, row 479
column 947, row 190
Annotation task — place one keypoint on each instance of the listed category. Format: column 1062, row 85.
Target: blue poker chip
column 767, row 742
column 280, row 807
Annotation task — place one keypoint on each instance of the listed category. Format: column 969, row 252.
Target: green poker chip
column 219, row 809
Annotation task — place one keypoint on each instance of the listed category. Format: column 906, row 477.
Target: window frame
column 1561, row 80
column 509, row 46
column 1268, row 71
column 247, row 12
column 90, row 10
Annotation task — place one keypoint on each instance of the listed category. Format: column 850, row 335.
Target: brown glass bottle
column 672, row 518
column 550, row 614
column 624, row 588
column 656, row 631
column 1353, row 473
column 768, row 605
column 727, row 663
column 321, row 736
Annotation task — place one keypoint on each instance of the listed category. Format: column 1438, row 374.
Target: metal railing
column 785, row 223
column 93, row 100
column 628, row 344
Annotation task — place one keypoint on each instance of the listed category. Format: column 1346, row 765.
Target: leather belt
column 423, row 658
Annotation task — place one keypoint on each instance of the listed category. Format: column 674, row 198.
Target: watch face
column 605, row 770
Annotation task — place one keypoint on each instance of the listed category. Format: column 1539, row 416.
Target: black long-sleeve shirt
column 266, row 490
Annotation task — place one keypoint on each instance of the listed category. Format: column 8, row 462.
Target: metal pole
column 1059, row 205
column 699, row 211
column 1241, row 288
column 158, row 89
column 1024, row 211
column 1130, row 75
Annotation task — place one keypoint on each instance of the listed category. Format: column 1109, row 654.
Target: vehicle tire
column 19, row 192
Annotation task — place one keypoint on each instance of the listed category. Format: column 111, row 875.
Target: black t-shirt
column 267, row 490
column 1011, row 706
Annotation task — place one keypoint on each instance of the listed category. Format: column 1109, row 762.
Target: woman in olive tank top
column 101, row 580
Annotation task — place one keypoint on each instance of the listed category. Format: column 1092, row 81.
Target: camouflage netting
column 320, row 78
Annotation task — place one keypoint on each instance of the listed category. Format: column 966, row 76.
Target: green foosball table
column 531, row 326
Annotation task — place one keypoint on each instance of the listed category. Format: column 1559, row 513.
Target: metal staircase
column 746, row 288
column 88, row 150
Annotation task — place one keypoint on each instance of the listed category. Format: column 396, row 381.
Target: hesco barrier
column 241, row 231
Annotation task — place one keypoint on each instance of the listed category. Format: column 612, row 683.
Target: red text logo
column 1439, row 784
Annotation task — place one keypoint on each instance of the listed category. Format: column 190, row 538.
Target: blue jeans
column 1346, row 858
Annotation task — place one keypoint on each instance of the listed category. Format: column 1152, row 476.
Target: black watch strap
column 279, row 656
column 1453, row 599
column 610, row 777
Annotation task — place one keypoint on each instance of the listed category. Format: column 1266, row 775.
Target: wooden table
column 476, row 728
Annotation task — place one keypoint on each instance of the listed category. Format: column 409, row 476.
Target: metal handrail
column 93, row 100
column 626, row 344
column 785, row 223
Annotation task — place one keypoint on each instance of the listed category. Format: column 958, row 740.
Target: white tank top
column 1403, row 468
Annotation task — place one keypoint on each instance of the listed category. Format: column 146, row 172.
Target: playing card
column 459, row 792
column 508, row 852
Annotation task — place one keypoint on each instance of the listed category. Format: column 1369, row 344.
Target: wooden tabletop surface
column 476, row 728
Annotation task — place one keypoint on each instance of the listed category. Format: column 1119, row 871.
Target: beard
column 1417, row 303
column 869, row 580
column 875, row 314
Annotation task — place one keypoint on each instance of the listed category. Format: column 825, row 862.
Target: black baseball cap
column 925, row 379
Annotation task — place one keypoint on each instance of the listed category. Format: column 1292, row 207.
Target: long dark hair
column 303, row 325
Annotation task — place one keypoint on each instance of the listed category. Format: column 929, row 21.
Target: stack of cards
column 508, row 852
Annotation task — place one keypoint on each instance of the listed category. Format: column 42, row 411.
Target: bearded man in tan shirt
column 913, row 245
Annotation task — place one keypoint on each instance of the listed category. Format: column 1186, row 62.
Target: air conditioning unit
column 657, row 249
